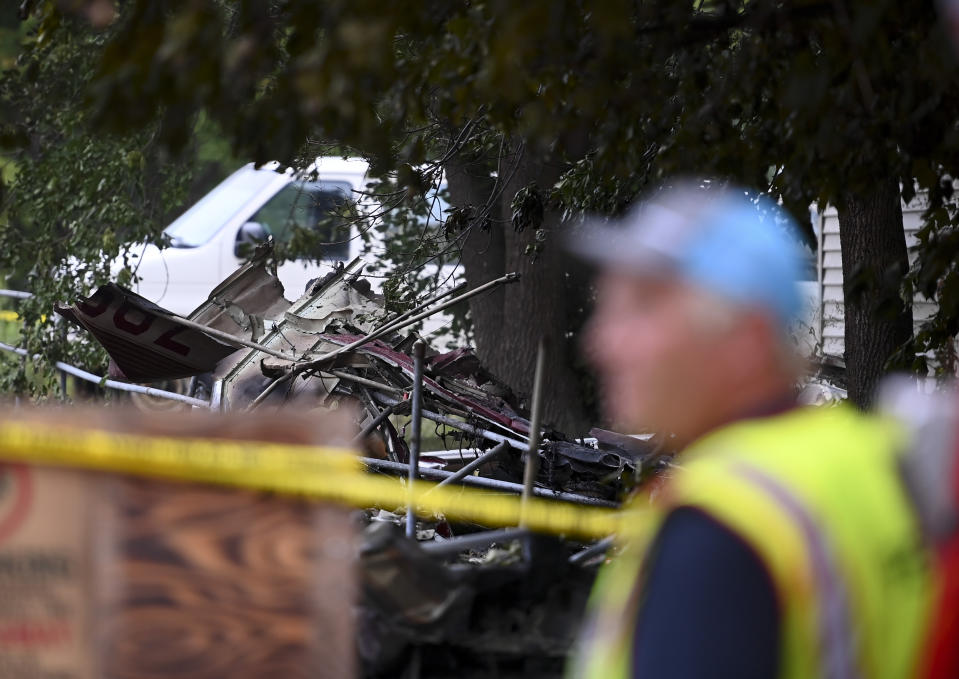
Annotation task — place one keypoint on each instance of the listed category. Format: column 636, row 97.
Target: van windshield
column 304, row 220
column 198, row 225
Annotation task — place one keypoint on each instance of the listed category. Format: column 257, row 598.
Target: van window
column 305, row 217
column 200, row 223
column 428, row 210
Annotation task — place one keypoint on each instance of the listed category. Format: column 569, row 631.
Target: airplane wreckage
column 457, row 597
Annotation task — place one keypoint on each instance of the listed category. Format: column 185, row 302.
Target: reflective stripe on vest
column 816, row 494
column 838, row 648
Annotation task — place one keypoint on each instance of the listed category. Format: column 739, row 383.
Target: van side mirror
column 248, row 237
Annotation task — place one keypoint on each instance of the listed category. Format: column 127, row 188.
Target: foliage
column 804, row 99
column 416, row 246
column 76, row 200
column 808, row 100
column 935, row 276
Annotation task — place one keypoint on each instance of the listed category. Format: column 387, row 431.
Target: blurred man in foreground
column 785, row 545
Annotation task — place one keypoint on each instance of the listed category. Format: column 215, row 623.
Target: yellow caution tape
column 7, row 315
column 326, row 473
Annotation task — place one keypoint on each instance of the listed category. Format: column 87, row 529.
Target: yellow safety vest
column 817, row 494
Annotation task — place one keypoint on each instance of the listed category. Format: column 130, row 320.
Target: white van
column 211, row 239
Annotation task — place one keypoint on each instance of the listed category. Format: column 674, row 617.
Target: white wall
column 832, row 325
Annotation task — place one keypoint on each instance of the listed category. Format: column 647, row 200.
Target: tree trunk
column 470, row 183
column 874, row 261
column 507, row 326
column 538, row 305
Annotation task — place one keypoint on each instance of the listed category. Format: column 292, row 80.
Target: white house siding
column 832, row 327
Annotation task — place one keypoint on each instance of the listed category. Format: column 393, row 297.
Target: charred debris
column 456, row 598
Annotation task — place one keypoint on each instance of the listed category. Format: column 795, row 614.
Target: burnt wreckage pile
column 459, row 597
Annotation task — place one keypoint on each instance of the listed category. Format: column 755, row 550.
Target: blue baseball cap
column 740, row 246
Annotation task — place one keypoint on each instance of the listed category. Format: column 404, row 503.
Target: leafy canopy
column 806, row 99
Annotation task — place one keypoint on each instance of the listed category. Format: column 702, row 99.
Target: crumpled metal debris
column 148, row 343
column 330, row 346
column 499, row 602
column 145, row 341
column 244, row 300
column 486, row 610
